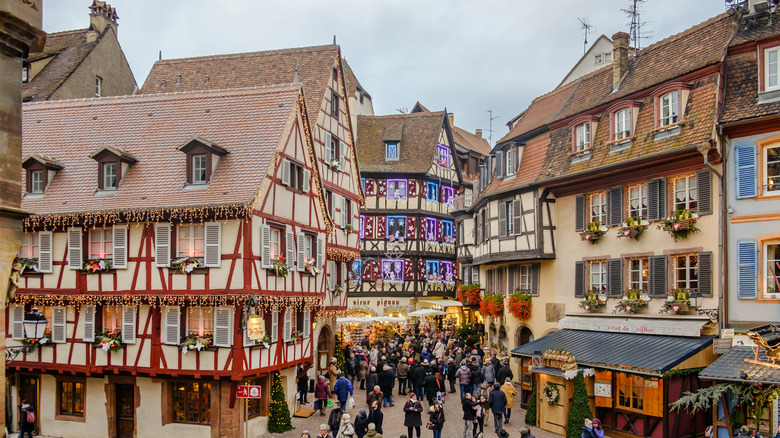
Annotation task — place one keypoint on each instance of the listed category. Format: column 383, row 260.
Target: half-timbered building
column 160, row 222
column 411, row 176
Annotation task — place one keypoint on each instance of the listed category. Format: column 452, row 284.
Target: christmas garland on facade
column 269, row 301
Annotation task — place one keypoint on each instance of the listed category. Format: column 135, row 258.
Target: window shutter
column 535, row 271
column 331, row 275
column 301, row 251
column 265, row 246
column 223, row 325
column 501, row 219
column 306, row 180
column 344, row 219
column 342, row 154
column 306, row 323
column 44, row 251
column 499, row 164
column 615, row 207
column 656, row 199
column 579, row 219
column 747, row 269
column 213, row 244
column 75, row 259
column 162, row 242
column 328, row 155
column 286, row 172
column 128, row 324
column 89, row 323
column 579, row 279
column 274, row 325
column 657, row 272
column 289, row 241
column 172, row 325
column 320, row 251
column 517, row 159
column 746, row 171
column 17, row 316
column 518, row 217
column 705, row 273
column 58, row 325
column 344, row 275
column 287, row 328
column 615, row 276
column 704, row 184
column 119, row 246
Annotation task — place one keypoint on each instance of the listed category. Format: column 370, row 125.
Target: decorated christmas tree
column 580, row 408
column 339, row 354
column 530, row 413
column 279, row 412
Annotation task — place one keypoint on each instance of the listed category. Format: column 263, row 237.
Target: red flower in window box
column 469, row 294
column 492, row 305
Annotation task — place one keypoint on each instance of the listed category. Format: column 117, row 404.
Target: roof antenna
column 586, row 26
column 160, row 59
column 334, row 40
column 490, row 131
column 295, row 76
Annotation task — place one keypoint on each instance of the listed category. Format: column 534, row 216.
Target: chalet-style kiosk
column 634, row 368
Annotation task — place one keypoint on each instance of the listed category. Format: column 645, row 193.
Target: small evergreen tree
column 338, row 353
column 580, row 408
column 530, row 413
column 279, row 412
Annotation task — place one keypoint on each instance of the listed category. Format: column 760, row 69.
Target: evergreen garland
column 580, row 408
column 338, row 353
column 530, row 413
column 279, row 412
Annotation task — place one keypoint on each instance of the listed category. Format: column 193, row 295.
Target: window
column 109, row 176
column 448, row 195
column 112, row 318
column 192, row 402
column 430, row 229
column 770, row 69
column 670, row 108
column 638, row 273
column 445, row 270
column 396, row 227
column 622, row 124
column 582, row 137
column 598, row 207
column 257, row 406
column 392, row 270
column 308, row 246
column 522, row 278
column 432, row 194
column 607, row 57
column 686, row 272
column 772, row 173
column 296, row 175
column 509, row 162
column 98, row 86
column 36, row 181
column 101, row 243
column 354, row 271
column 442, row 156
column 432, row 271
column 191, row 240
column 484, row 224
column 199, row 169
column 334, row 105
column 200, row 321
column 391, row 151
column 637, row 201
column 396, row 189
column 277, row 244
column 71, row 397
column 460, row 233
column 362, row 226
column 685, row 193
column 631, row 391
column 26, row 74
column 772, row 275
column 599, row 59
column 598, row 275
column 332, row 152
column 29, row 249
column 447, row 231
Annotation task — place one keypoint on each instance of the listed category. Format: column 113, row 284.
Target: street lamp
column 34, row 324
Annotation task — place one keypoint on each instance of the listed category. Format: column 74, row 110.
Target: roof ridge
column 63, row 32
column 683, row 33
column 240, row 54
column 386, row 116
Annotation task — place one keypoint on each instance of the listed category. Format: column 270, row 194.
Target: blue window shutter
column 747, row 272
column 746, row 171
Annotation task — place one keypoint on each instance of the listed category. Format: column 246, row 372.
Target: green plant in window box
column 110, row 340
column 280, row 267
column 678, row 301
column 593, row 232
column 45, row 340
column 265, row 342
column 195, row 342
column 187, row 264
column 593, row 301
column 348, row 228
column 311, row 268
column 31, row 264
column 335, row 164
column 680, row 225
column 337, row 290
column 632, row 228
column 93, row 266
column 632, row 301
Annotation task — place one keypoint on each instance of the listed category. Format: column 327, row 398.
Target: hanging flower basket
column 492, row 305
column 680, row 225
column 93, row 266
column 520, row 305
column 187, row 264
column 551, row 394
column 632, row 228
column 593, row 232
column 110, row 341
column 280, row 267
column 678, row 302
column 469, row 294
column 633, row 300
column 195, row 342
column 593, row 301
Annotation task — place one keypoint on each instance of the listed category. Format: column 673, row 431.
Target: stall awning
column 730, row 366
column 443, row 303
column 644, row 354
column 690, row 327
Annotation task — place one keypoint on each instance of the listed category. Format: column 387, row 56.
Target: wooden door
column 29, row 390
column 324, row 352
column 125, row 411
column 553, row 417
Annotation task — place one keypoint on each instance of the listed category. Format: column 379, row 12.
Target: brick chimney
column 478, row 133
column 101, row 15
column 620, row 50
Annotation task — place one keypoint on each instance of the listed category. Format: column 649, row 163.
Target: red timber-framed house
column 158, row 218
column 321, row 71
column 411, row 175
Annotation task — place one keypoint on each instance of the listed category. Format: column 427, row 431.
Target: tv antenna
column 403, row 110
column 490, row 131
column 636, row 25
column 586, row 26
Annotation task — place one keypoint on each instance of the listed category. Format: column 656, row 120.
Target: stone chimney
column 478, row 133
column 620, row 50
column 101, row 15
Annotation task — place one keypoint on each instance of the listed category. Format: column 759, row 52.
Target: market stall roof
column 643, row 354
column 426, row 312
column 731, row 365
column 647, row 325
column 368, row 320
column 443, row 303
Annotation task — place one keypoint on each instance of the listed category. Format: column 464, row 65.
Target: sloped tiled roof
column 253, row 69
column 541, row 111
column 417, row 135
column 351, row 80
column 729, row 366
column 68, row 49
column 532, row 162
column 248, row 123
column 470, row 141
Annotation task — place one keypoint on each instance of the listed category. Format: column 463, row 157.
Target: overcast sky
column 466, row 55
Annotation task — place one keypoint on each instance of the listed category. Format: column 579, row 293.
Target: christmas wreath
column 551, row 394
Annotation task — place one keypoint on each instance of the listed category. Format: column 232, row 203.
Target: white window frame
column 597, row 275
column 275, row 239
column 688, row 187
column 637, row 196
column 770, row 180
column 36, row 181
column 622, row 124
column 107, row 176
column 98, row 86
column 598, row 201
column 509, row 162
column 669, row 108
column 106, row 238
column 191, row 238
column 766, row 274
column 111, row 318
column 682, row 274
column 582, row 137
column 523, row 278
column 198, row 172
column 30, row 241
column 769, row 65
column 510, row 217
column 639, row 273
column 202, row 317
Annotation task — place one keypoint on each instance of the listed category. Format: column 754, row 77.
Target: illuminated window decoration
column 396, row 228
column 391, row 151
column 447, row 195
column 772, row 169
column 393, row 270
column 430, row 229
column 432, row 192
column 192, row 402
column 432, row 271
column 442, row 156
column 355, row 272
column 447, row 232
column 446, row 271
column 396, row 189
column 71, row 396
column 362, row 226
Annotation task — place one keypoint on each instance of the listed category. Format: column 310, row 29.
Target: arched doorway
column 522, row 337
column 503, row 339
column 324, row 349
column 493, row 334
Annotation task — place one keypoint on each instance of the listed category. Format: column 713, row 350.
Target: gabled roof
column 253, row 69
column 43, row 159
column 353, row 85
column 532, row 161
column 248, row 122
column 68, row 50
column 416, row 133
column 470, row 141
column 731, row 365
column 543, row 109
column 584, row 59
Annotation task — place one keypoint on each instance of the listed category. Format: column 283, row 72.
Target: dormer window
column 670, row 103
column 623, row 124
column 39, row 171
column 199, row 169
column 26, row 74
column 771, row 80
column 202, row 159
column 623, row 117
column 109, row 176
column 98, row 86
column 113, row 164
column 36, row 181
column 391, row 151
column 582, row 137
column 670, row 108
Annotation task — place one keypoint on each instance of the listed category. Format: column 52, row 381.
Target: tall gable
column 66, row 50
column 417, row 135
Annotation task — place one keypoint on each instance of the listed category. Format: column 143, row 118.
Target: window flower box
column 632, row 228
column 348, row 228
column 520, row 305
column 93, row 266
column 187, row 264
column 25, row 264
column 633, row 301
column 309, row 267
column 296, row 336
column 280, row 268
column 335, row 164
column 110, row 341
column 263, row 343
column 492, row 305
column 195, row 342
column 393, row 239
column 34, row 343
column 337, row 290
column 680, row 225
column 469, row 294
column 593, row 301
column 678, row 302
column 593, row 232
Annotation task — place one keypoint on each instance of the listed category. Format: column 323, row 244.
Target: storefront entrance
column 324, row 350
column 553, row 417
column 125, row 411
column 29, row 389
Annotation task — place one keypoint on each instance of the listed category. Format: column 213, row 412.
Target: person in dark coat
column 403, row 372
column 303, row 381
column 504, row 372
column 475, row 378
column 334, row 421
column 321, row 394
column 413, row 415
column 343, row 390
column 431, row 388
column 418, row 379
column 469, row 411
column 372, row 380
column 361, row 423
column 497, row 401
column 374, row 396
column 376, row 417
column 386, row 382
column 451, row 370
column 436, row 418
column 25, row 426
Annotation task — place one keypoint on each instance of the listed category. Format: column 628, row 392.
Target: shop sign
column 255, row 328
column 602, row 389
column 727, row 333
column 249, row 391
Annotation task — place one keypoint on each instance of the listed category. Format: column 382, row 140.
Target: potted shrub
column 520, row 305
column 680, row 225
column 632, row 301
column 632, row 228
column 593, row 301
column 678, row 302
column 593, row 232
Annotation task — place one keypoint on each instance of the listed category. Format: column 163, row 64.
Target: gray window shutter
column 499, row 164
column 307, row 322
column 290, row 243
column 579, row 219
column 535, row 270
column 172, row 325
column 746, row 171
column 704, row 181
column 518, row 217
column 328, row 155
column 301, row 251
column 162, row 244
column 45, row 251
column 119, row 235
column 17, row 325
column 89, row 323
column 306, row 180
column 502, row 219
column 128, row 324
column 320, row 251
column 75, row 259
column 579, row 279
column 287, row 327
column 286, row 172
column 657, row 271
column 615, row 277
column 265, row 246
column 213, row 244
column 223, row 326
column 274, row 325
column 656, row 198
column 747, row 269
column 615, row 206
column 58, row 325
column 705, row 273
